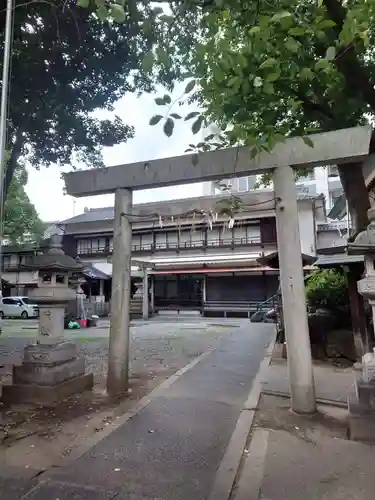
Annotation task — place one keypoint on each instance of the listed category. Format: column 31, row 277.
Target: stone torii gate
column 336, row 147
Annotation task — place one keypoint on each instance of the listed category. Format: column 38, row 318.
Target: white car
column 18, row 307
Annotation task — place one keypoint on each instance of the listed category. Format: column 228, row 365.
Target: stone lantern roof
column 54, row 259
column 365, row 240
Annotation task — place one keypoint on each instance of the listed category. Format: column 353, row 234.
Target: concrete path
column 281, row 466
column 331, row 385
column 173, row 447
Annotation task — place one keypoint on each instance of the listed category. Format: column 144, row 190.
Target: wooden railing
column 182, row 245
column 229, row 307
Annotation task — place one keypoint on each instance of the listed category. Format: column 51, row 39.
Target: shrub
column 327, row 289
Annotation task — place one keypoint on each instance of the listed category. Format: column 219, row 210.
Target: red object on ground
column 82, row 322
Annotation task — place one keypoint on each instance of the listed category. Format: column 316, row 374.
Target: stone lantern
column 50, row 370
column 362, row 401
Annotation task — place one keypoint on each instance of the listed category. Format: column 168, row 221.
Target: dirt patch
column 274, row 413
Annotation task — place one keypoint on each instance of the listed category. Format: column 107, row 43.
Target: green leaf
column 102, row 13
column 258, row 82
column 118, row 13
column 191, row 115
column 254, row 30
column 189, row 87
column 272, row 77
column 326, row 23
column 160, row 101
column 209, row 137
column 320, row 3
column 157, row 11
column 197, row 125
column 166, row 19
column 168, row 127
column 176, row 116
column 155, row 120
column 234, row 81
column 268, row 88
column 297, row 31
column 83, row 3
column 308, row 141
column 167, row 99
column 148, row 61
column 321, row 64
column 330, row 53
column 292, row 45
column 268, row 63
column 306, row 74
column 280, row 15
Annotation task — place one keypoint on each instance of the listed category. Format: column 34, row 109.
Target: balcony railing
column 182, row 245
column 15, row 266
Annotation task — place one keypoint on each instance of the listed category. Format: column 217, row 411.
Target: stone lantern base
column 136, row 302
column 49, row 373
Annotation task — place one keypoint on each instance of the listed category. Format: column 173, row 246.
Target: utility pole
column 4, row 119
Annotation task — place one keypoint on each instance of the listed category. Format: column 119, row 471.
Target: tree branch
column 12, row 163
column 315, row 107
column 357, row 78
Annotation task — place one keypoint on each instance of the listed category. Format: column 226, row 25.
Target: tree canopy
column 66, row 64
column 263, row 71
column 21, row 220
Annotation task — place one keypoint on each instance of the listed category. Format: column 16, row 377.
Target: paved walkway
column 331, row 385
column 282, row 466
column 172, row 448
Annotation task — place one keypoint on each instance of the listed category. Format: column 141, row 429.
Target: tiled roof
column 172, row 207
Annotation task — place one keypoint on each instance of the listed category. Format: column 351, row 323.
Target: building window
column 98, row 245
column 83, row 247
column 94, row 245
column 25, row 259
column 242, row 184
column 253, row 234
column 310, row 176
column 6, row 261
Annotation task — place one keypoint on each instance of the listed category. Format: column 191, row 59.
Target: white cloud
column 45, row 187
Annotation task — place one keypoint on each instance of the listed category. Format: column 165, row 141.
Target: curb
column 228, row 468
column 320, row 401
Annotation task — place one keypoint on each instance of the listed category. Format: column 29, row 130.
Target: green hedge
column 327, row 288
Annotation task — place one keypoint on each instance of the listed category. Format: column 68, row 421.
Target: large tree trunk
column 355, row 189
column 356, row 193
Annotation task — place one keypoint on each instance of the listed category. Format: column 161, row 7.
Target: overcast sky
column 45, row 188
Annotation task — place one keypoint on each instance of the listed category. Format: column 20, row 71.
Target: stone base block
column 46, row 395
column 357, row 407
column 50, row 354
column 33, row 374
column 362, row 427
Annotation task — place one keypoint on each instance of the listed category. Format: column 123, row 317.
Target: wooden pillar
column 357, row 311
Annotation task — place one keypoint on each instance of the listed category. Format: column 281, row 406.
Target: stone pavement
column 172, row 448
column 283, row 466
column 332, row 385
column 293, row 457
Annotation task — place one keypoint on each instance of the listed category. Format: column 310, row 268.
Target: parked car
column 18, row 307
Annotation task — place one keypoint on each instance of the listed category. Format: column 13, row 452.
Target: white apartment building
column 320, row 181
